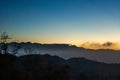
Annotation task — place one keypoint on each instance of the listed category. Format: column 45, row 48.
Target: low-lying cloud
column 106, row 45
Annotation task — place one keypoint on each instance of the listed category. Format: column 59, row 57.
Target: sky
column 78, row 22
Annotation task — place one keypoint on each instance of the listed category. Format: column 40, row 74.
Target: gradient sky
column 61, row 21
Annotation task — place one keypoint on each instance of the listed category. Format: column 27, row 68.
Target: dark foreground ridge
column 46, row 67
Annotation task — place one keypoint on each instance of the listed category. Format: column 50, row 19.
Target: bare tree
column 4, row 47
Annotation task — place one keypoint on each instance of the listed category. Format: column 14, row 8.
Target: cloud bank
column 105, row 45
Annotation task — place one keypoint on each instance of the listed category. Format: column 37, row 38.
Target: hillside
column 46, row 67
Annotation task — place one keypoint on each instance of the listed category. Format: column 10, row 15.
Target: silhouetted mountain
column 46, row 67
column 94, row 69
column 33, row 67
column 7, row 68
column 66, row 51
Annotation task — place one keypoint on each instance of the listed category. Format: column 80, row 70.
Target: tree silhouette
column 4, row 47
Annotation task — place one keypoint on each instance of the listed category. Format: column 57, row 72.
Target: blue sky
column 61, row 21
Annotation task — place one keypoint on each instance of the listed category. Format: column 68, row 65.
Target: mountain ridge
column 67, row 51
column 49, row 67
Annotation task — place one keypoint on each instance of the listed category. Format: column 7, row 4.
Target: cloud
column 105, row 45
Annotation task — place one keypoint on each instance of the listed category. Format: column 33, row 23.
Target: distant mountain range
column 66, row 51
